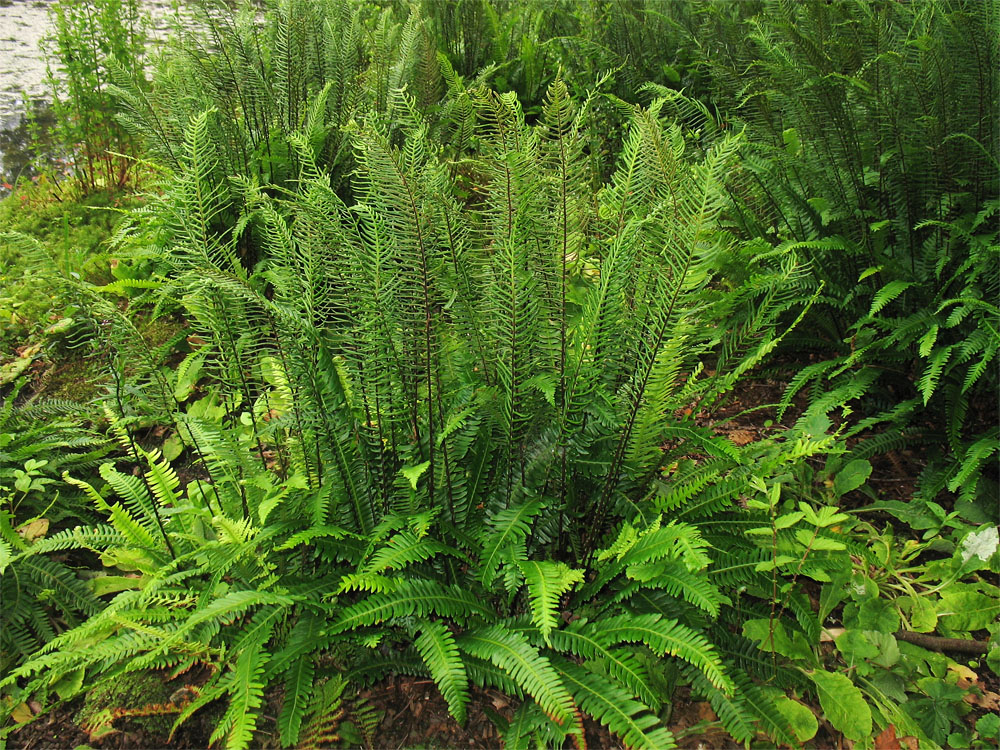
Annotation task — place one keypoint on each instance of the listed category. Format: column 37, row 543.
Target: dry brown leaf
column 741, row 437
column 887, row 740
column 988, row 700
column 705, row 712
column 965, row 674
column 32, row 531
column 831, row 634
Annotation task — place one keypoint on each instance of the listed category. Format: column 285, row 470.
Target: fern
column 613, row 707
column 547, row 582
column 438, row 650
column 531, row 671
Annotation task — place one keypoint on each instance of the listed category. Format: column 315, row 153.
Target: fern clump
column 449, row 348
column 435, row 417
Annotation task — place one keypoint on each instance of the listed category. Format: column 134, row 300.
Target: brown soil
column 413, row 715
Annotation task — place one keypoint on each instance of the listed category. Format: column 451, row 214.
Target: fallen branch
column 937, row 643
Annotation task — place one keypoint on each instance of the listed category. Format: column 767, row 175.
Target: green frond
column 298, row 694
column 625, row 717
column 505, row 529
column 325, row 713
column 547, row 582
column 531, row 671
column 437, row 648
column 412, row 596
column 246, row 696
column 619, row 664
column 664, row 636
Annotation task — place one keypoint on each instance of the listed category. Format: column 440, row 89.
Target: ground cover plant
column 418, row 351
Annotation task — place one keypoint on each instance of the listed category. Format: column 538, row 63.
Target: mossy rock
column 135, row 700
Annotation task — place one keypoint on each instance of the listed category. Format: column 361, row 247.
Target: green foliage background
column 447, row 286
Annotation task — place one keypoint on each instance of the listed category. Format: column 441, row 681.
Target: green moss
column 75, row 232
column 74, row 378
column 158, row 331
column 134, row 690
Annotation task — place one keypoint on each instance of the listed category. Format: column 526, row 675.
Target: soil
column 413, row 715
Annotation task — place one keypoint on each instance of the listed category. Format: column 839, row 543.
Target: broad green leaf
column 775, row 638
column 789, row 519
column 69, row 684
column 968, row 610
column 801, row 719
column 878, row 614
column 843, row 704
column 888, row 649
column 988, row 726
column 856, row 647
column 852, row 476
column 923, row 617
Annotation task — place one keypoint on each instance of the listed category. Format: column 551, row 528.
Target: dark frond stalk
column 135, row 454
column 462, row 272
column 244, row 385
column 444, row 446
column 604, row 499
column 292, row 389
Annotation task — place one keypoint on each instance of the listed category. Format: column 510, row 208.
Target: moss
column 158, row 331
column 73, row 231
column 75, row 378
column 134, row 690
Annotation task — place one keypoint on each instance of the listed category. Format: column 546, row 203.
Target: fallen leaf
column 32, row 531
column 21, row 713
column 705, row 712
column 988, row 700
column 911, row 743
column 741, row 437
column 964, row 673
column 887, row 740
column 831, row 634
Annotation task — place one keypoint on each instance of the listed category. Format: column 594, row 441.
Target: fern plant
column 37, row 442
column 870, row 133
column 450, row 407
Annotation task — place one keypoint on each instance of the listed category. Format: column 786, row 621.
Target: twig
column 937, row 643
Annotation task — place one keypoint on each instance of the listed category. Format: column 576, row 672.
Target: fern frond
column 547, row 582
column 531, row 671
column 625, row 717
column 437, row 648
